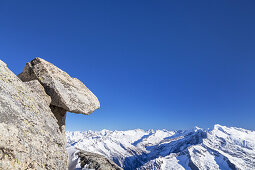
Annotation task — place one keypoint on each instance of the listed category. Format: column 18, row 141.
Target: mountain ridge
column 220, row 147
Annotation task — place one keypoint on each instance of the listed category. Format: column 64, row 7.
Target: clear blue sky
column 152, row 64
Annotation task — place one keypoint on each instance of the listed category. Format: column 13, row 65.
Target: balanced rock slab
column 66, row 92
column 30, row 137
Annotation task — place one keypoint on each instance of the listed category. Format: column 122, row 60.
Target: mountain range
column 218, row 148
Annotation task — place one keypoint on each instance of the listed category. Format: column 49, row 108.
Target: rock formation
column 32, row 115
column 80, row 159
column 67, row 94
column 29, row 134
column 96, row 161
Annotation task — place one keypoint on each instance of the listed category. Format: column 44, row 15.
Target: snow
column 219, row 148
column 74, row 161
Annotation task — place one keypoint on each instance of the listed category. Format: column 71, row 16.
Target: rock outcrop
column 32, row 115
column 95, row 161
column 29, row 134
column 80, row 159
column 66, row 92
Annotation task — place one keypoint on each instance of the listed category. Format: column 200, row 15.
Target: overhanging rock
column 29, row 134
column 66, row 92
column 33, row 112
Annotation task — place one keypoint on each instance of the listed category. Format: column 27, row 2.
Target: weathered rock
column 30, row 137
column 33, row 112
column 38, row 89
column 96, row 161
column 60, row 115
column 88, row 160
column 66, row 92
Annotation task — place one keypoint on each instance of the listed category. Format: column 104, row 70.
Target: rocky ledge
column 33, row 108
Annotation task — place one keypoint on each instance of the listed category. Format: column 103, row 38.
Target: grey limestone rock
column 30, row 137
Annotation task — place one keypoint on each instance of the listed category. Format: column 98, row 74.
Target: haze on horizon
column 152, row 64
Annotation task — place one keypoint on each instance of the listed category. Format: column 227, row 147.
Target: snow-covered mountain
column 219, row 148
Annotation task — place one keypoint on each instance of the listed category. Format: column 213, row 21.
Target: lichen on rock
column 29, row 134
column 38, row 89
column 33, row 110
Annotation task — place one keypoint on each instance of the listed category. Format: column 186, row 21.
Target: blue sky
column 152, row 64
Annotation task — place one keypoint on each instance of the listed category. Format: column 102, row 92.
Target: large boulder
column 30, row 137
column 66, row 92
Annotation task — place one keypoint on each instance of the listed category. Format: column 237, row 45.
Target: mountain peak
column 219, row 148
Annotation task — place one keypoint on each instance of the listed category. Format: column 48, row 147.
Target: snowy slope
column 220, row 148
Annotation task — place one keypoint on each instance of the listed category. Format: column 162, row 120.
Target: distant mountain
column 219, row 148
